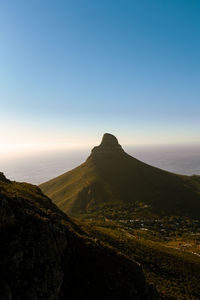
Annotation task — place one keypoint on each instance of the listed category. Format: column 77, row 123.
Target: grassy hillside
column 175, row 271
column 112, row 178
column 45, row 255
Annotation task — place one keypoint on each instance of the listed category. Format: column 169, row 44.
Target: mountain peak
column 111, row 177
column 109, row 140
column 109, row 144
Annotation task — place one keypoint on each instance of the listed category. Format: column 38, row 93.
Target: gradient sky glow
column 72, row 70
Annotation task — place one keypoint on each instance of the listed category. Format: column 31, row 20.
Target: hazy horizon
column 38, row 167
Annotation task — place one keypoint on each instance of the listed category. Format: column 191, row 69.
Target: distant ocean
column 39, row 168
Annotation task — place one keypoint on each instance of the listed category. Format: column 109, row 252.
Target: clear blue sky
column 72, row 70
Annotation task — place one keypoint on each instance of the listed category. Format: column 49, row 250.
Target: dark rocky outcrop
column 3, row 178
column 109, row 144
column 44, row 255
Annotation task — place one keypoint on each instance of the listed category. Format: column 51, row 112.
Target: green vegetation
column 174, row 270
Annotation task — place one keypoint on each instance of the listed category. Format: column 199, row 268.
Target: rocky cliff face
column 109, row 145
column 46, row 256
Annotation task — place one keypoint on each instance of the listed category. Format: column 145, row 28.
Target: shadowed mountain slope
column 45, row 255
column 111, row 177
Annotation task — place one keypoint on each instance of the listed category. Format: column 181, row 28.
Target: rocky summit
column 111, row 178
column 109, row 144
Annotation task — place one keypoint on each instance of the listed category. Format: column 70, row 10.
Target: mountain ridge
column 112, row 177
